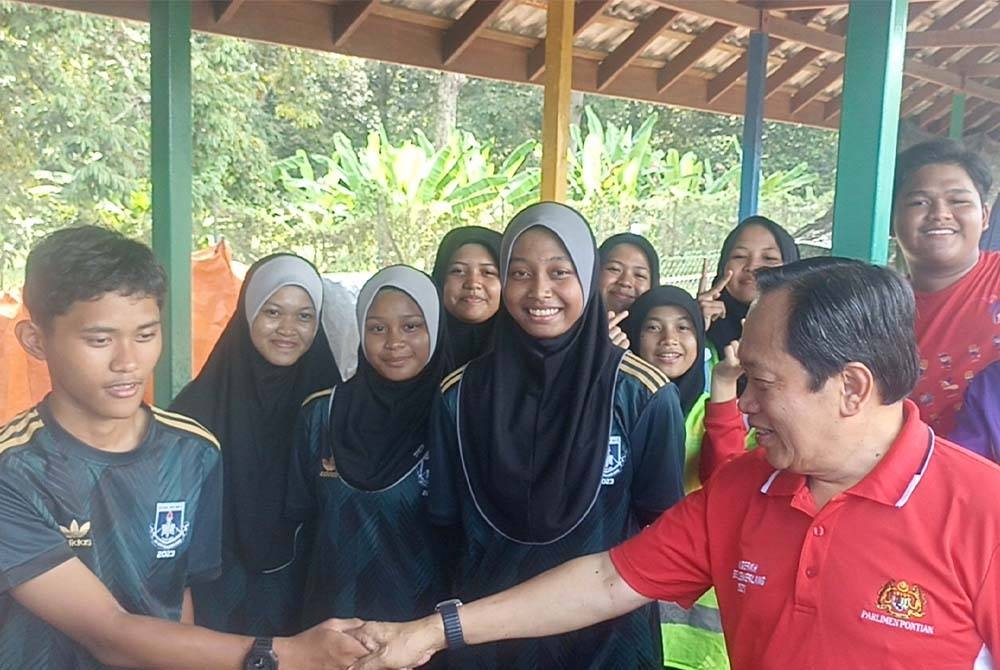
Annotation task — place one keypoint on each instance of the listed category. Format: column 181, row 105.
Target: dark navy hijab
column 378, row 427
column 251, row 406
column 691, row 384
column 464, row 341
column 534, row 415
column 730, row 327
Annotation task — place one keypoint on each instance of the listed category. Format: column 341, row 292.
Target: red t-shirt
column 958, row 334
column 900, row 571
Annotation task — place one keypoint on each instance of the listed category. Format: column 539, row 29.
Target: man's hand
column 398, row 646
column 712, row 308
column 617, row 335
column 330, row 645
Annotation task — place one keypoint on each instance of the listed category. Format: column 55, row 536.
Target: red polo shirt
column 900, row 571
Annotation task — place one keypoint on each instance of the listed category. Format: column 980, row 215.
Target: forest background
column 355, row 164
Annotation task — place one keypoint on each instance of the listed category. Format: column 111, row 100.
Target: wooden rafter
column 953, row 38
column 723, row 81
column 922, row 92
column 939, row 108
column 831, row 108
column 917, row 97
column 985, row 124
column 585, row 13
column 690, row 55
column 226, row 10
column 458, row 38
column 820, row 83
column 949, row 19
column 789, row 69
column 988, row 126
column 347, row 17
column 820, row 39
column 788, row 5
column 633, row 45
column 799, row 61
column 976, row 114
column 803, row 16
column 981, row 70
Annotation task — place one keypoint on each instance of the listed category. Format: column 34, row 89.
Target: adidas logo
column 329, row 469
column 76, row 534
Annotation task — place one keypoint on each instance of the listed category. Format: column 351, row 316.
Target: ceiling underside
column 689, row 53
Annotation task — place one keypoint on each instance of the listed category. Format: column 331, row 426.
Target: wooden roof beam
column 347, row 16
column 458, row 38
column 723, row 81
column 979, row 113
column 789, row 69
column 585, row 13
column 988, row 126
column 987, row 123
column 820, row 83
column 690, row 55
column 832, row 107
column 940, row 108
column 226, row 10
column 819, row 39
column 981, row 70
column 986, row 37
column 632, row 46
column 919, row 95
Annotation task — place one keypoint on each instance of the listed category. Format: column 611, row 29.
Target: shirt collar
column 894, row 478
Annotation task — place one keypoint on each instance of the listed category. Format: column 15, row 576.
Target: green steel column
column 873, row 78
column 170, row 83
column 957, row 120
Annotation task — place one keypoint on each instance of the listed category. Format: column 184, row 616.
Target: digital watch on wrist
column 261, row 656
column 448, row 610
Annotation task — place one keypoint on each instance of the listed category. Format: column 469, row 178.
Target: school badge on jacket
column 168, row 529
column 615, row 461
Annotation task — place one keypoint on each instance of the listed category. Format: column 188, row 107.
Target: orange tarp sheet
column 215, row 288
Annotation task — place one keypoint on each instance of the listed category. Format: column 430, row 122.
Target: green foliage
column 396, row 199
column 327, row 156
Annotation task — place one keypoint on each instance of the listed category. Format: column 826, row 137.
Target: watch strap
column 452, row 623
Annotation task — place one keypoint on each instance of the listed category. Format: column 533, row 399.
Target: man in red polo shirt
column 853, row 538
column 939, row 215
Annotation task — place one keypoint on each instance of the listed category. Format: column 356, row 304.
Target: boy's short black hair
column 81, row 264
column 942, row 151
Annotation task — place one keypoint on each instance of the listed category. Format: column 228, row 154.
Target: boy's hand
column 330, row 645
column 399, row 646
column 726, row 373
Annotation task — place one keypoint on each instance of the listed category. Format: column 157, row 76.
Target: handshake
column 352, row 644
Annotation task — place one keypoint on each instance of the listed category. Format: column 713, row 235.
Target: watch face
column 259, row 661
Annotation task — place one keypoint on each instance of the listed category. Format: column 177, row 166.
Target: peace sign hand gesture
column 712, row 307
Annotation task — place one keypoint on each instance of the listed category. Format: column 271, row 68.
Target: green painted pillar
column 957, row 120
column 170, row 98
column 873, row 79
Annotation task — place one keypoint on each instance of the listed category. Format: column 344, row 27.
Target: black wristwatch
column 448, row 610
column 261, row 656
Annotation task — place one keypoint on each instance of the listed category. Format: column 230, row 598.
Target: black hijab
column 465, row 341
column 535, row 415
column 251, row 406
column 378, row 427
column 638, row 241
column 691, row 384
column 729, row 328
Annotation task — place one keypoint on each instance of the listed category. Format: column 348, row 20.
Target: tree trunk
column 449, row 86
